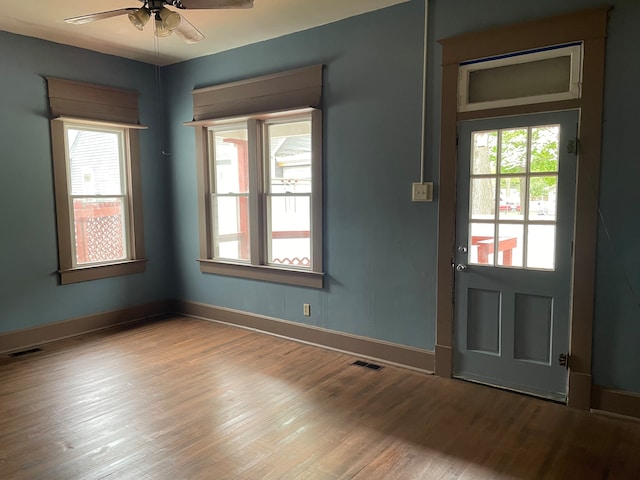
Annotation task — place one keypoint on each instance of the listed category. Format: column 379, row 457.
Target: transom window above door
column 513, row 190
column 520, row 78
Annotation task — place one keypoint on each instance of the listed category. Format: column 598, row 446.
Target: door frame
column 589, row 27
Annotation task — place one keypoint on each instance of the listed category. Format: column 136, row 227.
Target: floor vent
column 25, row 352
column 372, row 366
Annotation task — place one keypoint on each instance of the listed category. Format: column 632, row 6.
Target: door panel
column 514, row 231
column 532, row 328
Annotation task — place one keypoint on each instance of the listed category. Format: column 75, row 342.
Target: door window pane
column 510, row 243
column 511, row 193
column 484, row 155
column 541, row 247
column 543, row 191
column 483, row 198
column 513, row 150
column 481, row 244
column 544, row 148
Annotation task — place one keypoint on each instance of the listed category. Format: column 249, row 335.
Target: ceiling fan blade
column 98, row 16
column 202, row 4
column 187, row 32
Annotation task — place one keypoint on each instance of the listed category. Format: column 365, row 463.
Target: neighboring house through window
column 96, row 168
column 260, row 177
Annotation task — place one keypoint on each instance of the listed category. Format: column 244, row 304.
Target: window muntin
column 98, row 194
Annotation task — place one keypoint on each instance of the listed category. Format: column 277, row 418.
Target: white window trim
column 575, row 85
column 257, row 268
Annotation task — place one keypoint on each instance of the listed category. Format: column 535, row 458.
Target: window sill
column 95, row 272
column 264, row 272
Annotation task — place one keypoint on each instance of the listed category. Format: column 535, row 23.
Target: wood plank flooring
column 188, row 399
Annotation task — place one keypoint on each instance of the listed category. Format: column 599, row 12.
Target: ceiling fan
column 166, row 20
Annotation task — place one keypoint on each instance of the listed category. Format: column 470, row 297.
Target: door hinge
column 564, row 359
column 572, row 146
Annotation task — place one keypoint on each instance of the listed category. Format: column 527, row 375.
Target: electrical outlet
column 306, row 310
column 422, row 192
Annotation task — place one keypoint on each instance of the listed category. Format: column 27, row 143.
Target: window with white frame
column 543, row 75
column 98, row 193
column 97, row 182
column 261, row 185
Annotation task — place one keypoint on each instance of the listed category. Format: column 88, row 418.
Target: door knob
column 461, row 267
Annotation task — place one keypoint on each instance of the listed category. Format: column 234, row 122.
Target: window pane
column 542, row 197
column 510, row 242
column 544, row 148
column 481, row 243
column 289, row 230
column 485, row 148
column 541, row 247
column 95, row 162
column 511, row 191
column 100, row 230
column 540, row 77
column 483, row 198
column 231, row 220
column 289, row 157
column 513, row 153
column 231, row 161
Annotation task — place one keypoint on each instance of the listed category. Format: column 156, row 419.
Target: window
column 260, row 180
column 543, row 75
column 97, row 184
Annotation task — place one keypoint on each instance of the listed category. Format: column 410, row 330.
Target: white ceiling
column 224, row 29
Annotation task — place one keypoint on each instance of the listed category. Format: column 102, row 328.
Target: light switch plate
column 422, row 192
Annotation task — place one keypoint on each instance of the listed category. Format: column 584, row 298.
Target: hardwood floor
column 188, row 399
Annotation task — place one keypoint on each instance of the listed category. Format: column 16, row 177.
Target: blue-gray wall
column 29, row 290
column 379, row 248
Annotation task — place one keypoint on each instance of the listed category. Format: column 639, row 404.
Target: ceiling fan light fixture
column 161, row 30
column 170, row 20
column 139, row 17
